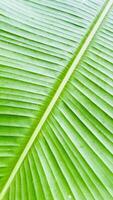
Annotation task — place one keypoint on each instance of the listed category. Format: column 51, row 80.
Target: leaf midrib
column 53, row 101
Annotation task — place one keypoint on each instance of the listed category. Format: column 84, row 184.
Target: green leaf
column 56, row 100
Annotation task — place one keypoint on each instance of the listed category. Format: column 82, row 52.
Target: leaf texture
column 72, row 155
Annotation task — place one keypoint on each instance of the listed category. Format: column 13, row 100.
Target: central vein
column 57, row 94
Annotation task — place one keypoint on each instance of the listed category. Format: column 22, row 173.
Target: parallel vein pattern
column 72, row 157
column 37, row 41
